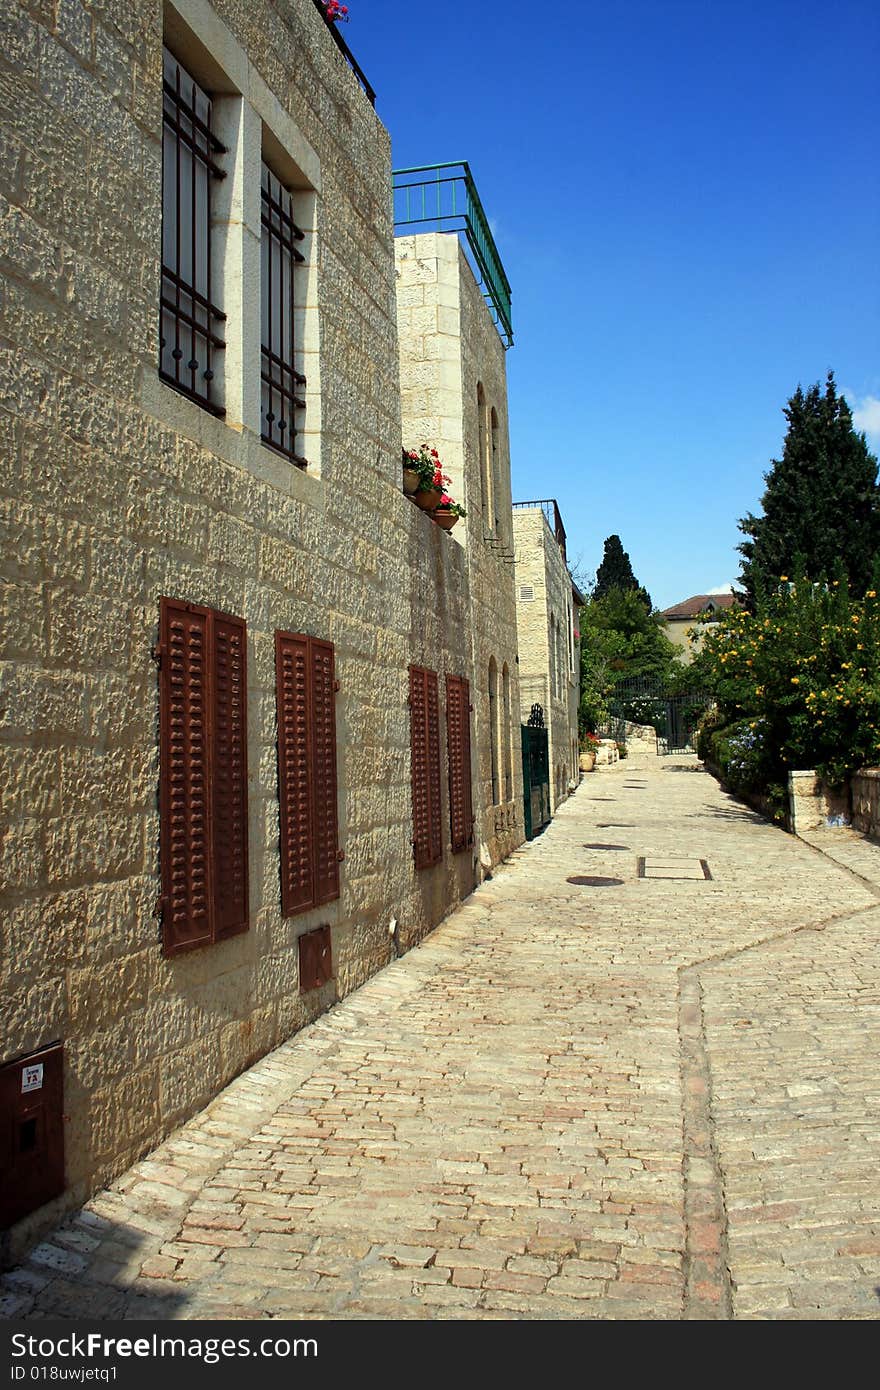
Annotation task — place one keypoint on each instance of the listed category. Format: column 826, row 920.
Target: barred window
column 189, row 336
column 281, row 382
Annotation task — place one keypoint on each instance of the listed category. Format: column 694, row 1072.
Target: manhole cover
column 598, row 845
column 593, row 881
column 615, row 825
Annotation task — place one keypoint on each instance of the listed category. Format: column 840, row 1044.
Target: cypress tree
column 821, row 504
column 616, row 572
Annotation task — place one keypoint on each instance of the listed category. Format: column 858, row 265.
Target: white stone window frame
column 251, row 123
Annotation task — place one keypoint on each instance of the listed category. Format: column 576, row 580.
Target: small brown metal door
column 31, row 1133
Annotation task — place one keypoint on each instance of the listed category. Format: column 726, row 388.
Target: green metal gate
column 536, row 773
column 674, row 715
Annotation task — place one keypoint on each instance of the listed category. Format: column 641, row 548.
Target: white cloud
column 865, row 413
column 722, row 589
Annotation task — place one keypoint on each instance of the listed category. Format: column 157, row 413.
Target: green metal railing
column 444, row 196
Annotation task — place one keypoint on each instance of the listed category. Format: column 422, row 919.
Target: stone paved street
column 653, row 1095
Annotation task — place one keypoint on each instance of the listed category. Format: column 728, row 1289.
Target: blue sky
column 687, row 203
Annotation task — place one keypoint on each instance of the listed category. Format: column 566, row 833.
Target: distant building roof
column 699, row 604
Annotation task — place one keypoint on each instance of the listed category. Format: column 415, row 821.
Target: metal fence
column 444, row 196
column 673, row 715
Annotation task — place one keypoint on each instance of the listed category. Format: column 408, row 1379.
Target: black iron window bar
column 189, row 337
column 281, row 383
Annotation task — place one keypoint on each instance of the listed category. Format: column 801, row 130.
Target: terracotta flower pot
column 411, row 478
column 427, row 498
column 445, row 518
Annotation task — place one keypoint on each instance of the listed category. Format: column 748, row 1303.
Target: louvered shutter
column 433, row 704
column 323, row 708
column 229, row 776
column 458, row 743
column 185, row 837
column 294, row 772
column 425, row 748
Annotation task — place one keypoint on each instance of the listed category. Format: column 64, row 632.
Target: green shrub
column 803, row 674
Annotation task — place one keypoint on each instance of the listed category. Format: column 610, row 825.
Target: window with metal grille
column 306, row 687
column 190, row 320
column 202, row 658
column 281, row 383
column 458, row 746
column 424, row 716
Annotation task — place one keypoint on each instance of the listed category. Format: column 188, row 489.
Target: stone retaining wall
column 812, row 805
column 866, row 801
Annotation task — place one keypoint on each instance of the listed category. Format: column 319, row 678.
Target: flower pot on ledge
column 411, row 480
column 427, row 498
column 444, row 518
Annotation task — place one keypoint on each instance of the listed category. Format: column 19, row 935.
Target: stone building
column 547, row 606
column 238, row 665
column 690, row 617
column 454, row 391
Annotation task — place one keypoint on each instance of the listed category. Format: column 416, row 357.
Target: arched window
column 484, row 459
column 493, row 726
column 505, row 734
column 493, row 471
column 553, row 689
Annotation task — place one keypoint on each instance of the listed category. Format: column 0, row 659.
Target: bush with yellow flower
column 802, row 676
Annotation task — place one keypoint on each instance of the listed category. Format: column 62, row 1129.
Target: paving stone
column 652, row 1101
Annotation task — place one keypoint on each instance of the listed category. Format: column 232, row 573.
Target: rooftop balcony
column 549, row 507
column 444, row 198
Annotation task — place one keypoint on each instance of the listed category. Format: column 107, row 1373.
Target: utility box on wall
column 31, row 1133
column 315, row 959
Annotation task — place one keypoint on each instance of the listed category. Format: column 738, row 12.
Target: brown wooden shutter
column 458, row 743
column 326, row 857
column 203, row 775
column 294, row 772
column 185, row 838
column 305, row 687
column 229, row 825
column 425, row 746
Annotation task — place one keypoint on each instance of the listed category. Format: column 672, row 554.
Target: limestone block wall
column 449, row 344
column 549, row 653
column 865, row 792
column 812, row 805
column 116, row 490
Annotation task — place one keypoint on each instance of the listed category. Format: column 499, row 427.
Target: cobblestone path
column 634, row 1076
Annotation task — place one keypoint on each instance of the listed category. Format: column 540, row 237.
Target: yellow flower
column 795, row 680
column 783, row 578
column 872, row 593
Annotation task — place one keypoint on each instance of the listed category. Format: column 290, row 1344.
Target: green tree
column 796, row 684
column 821, row 504
column 620, row 640
column 616, row 572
